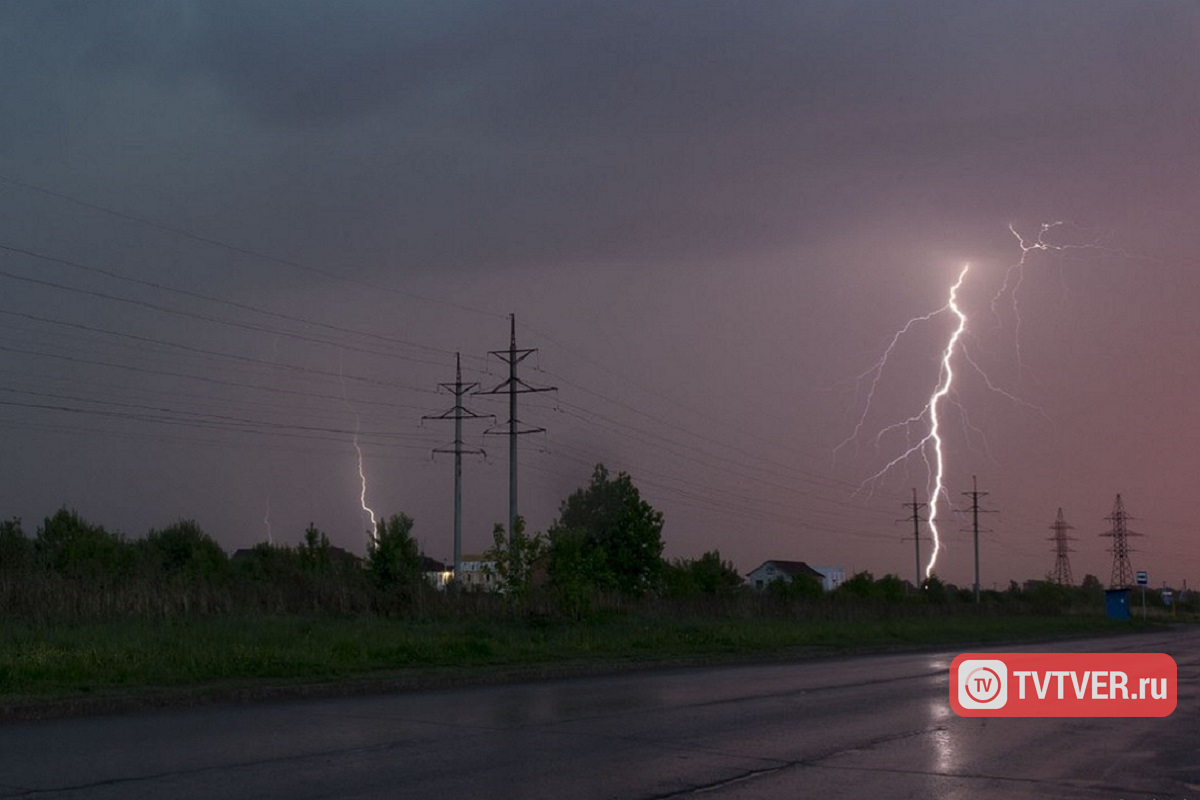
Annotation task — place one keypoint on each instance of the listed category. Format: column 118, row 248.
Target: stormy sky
column 232, row 234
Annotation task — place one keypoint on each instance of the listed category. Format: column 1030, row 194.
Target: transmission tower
column 975, row 510
column 1122, row 572
column 916, row 519
column 513, row 387
column 458, row 413
column 1062, row 564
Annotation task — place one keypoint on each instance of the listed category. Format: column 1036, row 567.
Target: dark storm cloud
column 546, row 131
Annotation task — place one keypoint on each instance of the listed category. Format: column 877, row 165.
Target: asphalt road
column 864, row 727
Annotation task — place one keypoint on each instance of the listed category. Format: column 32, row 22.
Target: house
column 832, row 577
column 778, row 570
column 478, row 573
column 436, row 572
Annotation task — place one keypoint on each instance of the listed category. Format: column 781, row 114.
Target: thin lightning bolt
column 1018, row 270
column 267, row 521
column 1015, row 274
column 362, row 475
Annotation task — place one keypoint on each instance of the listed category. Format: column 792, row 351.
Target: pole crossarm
column 1122, row 570
column 512, row 387
column 916, row 519
column 975, row 510
column 1062, row 563
column 458, row 413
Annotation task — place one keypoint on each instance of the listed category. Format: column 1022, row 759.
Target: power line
column 241, row 306
column 246, row 251
column 204, row 351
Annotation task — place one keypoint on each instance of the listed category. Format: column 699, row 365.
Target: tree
column 78, row 549
column 394, row 557
column 799, row 586
column 514, row 559
column 184, row 548
column 621, row 533
column 889, row 588
column 315, row 552
column 16, row 551
column 705, row 575
column 860, row 584
column 1092, row 589
column 934, row 591
column 572, row 564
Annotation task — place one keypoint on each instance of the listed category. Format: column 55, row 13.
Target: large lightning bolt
column 930, row 446
column 945, row 380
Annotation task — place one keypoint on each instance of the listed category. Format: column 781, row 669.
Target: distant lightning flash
column 362, row 475
column 1018, row 270
column 1015, row 274
column 267, row 521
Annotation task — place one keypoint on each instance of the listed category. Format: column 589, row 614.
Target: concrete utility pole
column 1062, row 564
column 513, row 387
column 916, row 521
column 1122, row 572
column 458, row 413
column 975, row 494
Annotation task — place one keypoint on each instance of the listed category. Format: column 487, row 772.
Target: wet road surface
column 869, row 727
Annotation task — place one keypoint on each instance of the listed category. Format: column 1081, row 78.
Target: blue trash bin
column 1116, row 603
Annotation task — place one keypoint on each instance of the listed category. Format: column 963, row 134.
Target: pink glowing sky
column 710, row 217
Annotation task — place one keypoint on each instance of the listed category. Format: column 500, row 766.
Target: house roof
column 792, row 568
column 432, row 565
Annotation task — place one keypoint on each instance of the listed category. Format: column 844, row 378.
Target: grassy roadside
column 50, row 664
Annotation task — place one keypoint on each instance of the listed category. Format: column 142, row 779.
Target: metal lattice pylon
column 1062, row 564
column 1122, row 572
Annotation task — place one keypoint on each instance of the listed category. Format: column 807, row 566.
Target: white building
column 832, row 577
column 478, row 573
column 779, row 570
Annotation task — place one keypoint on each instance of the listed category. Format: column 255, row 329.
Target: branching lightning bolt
column 945, row 380
column 931, row 442
column 930, row 447
column 1015, row 274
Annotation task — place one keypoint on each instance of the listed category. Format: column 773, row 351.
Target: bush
column 76, row 549
column 393, row 556
column 707, row 575
column 183, row 548
column 16, row 551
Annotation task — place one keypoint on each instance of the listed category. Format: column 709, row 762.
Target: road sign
column 1166, row 596
column 1143, row 578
